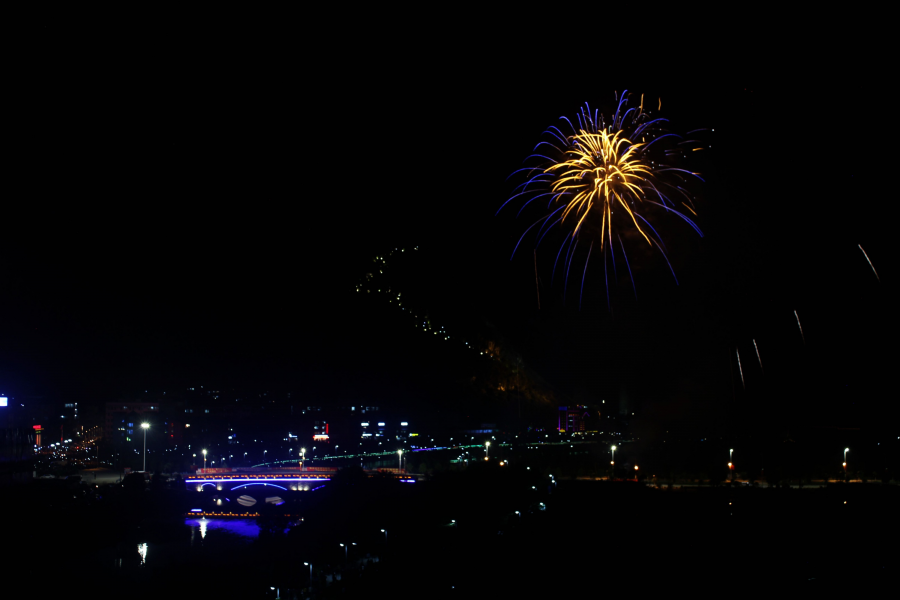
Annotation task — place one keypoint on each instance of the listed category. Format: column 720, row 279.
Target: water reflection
column 233, row 536
column 243, row 527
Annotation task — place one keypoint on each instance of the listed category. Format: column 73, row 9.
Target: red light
column 35, row 426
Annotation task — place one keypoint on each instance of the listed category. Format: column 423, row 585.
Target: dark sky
column 197, row 206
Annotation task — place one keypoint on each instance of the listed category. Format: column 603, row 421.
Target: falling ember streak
column 758, row 356
column 629, row 267
column 870, row 263
column 553, row 276
column 606, row 280
column 571, row 258
column 800, row 326
column 581, row 293
column 740, row 369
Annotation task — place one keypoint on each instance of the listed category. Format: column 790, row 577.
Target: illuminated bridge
column 238, row 492
column 297, row 482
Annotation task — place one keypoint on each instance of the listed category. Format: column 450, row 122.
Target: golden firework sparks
column 599, row 171
column 625, row 162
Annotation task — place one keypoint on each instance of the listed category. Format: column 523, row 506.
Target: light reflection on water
column 243, row 527
column 233, row 536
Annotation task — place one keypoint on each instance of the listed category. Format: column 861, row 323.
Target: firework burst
column 608, row 174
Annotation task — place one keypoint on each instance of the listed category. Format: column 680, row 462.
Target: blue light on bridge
column 266, row 484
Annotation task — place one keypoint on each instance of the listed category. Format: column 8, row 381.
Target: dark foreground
column 571, row 538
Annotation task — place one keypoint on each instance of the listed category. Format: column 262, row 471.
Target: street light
column 145, row 427
column 487, row 447
column 399, row 461
column 384, row 531
column 204, row 459
column 310, row 573
column 730, row 459
column 345, row 551
column 635, row 472
column 846, row 450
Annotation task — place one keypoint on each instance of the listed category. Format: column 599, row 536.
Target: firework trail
column 377, row 283
column 610, row 172
column 743, row 385
column 758, row 357
column 800, row 326
column 870, row 263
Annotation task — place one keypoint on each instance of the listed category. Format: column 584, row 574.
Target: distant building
column 390, row 429
column 578, row 418
column 320, row 431
column 70, row 412
column 53, row 417
column 123, row 419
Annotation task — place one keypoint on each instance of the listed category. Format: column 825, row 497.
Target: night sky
column 188, row 215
